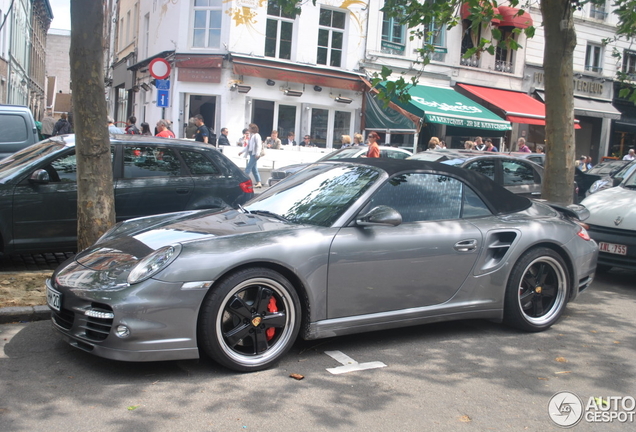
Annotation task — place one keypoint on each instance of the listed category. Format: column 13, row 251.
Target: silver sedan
column 341, row 247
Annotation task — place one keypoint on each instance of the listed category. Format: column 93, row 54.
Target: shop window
column 504, row 55
column 342, row 126
column 629, row 64
column 392, row 36
column 279, row 32
column 594, row 58
column 319, row 127
column 435, row 39
column 331, row 37
column 470, row 39
column 206, row 32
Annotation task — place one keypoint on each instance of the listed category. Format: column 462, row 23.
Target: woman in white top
column 254, row 149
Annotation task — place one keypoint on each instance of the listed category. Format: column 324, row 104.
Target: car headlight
column 597, row 186
column 154, row 263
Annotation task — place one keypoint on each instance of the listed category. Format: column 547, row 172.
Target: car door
column 421, row 262
column 45, row 214
column 151, row 181
column 520, row 178
column 214, row 185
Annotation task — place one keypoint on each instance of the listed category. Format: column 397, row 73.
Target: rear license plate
column 613, row 248
column 53, row 298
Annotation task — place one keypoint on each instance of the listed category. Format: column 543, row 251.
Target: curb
column 24, row 314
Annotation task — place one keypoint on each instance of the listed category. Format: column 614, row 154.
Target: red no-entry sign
column 159, row 68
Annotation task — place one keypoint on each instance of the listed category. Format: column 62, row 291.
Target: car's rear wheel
column 250, row 320
column 537, row 290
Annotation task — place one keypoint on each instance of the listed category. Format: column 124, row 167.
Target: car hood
column 609, row 206
column 129, row 245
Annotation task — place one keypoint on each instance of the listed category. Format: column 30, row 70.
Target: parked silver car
column 341, row 247
column 344, row 153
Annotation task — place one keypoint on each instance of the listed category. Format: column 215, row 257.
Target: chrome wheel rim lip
column 281, row 343
column 559, row 298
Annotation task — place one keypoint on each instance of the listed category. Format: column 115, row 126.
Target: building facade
column 22, row 53
column 246, row 61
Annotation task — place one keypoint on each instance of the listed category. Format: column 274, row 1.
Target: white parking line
column 349, row 364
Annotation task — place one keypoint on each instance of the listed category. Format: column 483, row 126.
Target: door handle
column 183, row 191
column 466, row 245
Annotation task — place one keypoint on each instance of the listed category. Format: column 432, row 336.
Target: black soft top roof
column 499, row 199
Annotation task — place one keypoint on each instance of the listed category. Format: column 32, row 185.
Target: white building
column 245, row 61
column 238, row 62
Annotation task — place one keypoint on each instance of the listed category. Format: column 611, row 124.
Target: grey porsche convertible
column 342, row 247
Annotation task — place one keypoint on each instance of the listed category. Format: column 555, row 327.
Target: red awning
column 517, row 107
column 511, row 19
column 465, row 13
column 286, row 71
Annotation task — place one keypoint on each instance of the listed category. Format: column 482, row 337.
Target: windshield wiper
column 268, row 213
column 243, row 209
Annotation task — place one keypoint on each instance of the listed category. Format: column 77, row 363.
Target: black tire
column 537, row 291
column 238, row 326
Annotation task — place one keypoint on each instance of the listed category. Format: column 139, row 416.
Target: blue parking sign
column 162, row 98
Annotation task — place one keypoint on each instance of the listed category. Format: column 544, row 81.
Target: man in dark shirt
column 223, row 141
column 203, row 133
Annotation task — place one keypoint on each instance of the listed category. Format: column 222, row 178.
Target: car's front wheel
column 250, row 319
column 537, row 291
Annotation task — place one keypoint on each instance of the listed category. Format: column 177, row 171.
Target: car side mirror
column 380, row 215
column 40, row 177
column 616, row 181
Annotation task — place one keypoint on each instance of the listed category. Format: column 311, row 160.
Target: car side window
column 146, row 161
column 485, row 167
column 421, row 197
column 198, row 163
column 392, row 154
column 517, row 173
column 64, row 168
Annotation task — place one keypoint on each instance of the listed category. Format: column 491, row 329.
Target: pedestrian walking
column 254, row 152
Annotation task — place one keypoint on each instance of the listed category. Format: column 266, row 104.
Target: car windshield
column 454, row 162
column 349, row 152
column 429, row 156
column 630, row 181
column 606, row 168
column 626, row 170
column 28, row 156
column 318, row 195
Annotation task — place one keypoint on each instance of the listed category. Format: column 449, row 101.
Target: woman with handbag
column 254, row 151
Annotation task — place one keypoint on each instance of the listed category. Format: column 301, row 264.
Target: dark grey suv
column 38, row 189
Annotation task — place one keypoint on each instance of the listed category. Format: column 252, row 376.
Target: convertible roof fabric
column 499, row 199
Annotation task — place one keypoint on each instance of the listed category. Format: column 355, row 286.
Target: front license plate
column 53, row 298
column 613, row 248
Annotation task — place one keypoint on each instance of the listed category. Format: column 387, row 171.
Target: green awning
column 443, row 105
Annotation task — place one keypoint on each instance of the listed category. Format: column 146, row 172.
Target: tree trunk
column 560, row 40
column 95, row 195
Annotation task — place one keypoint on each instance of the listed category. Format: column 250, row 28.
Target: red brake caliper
column 271, row 307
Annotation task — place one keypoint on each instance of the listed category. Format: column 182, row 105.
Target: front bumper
column 616, row 236
column 160, row 317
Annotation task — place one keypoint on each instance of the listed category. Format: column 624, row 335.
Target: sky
column 61, row 14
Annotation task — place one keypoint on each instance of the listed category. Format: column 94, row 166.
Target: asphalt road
column 467, row 375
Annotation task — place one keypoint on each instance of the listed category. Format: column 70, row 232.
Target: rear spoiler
column 573, row 210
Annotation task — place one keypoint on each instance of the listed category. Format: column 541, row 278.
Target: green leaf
column 133, row 407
